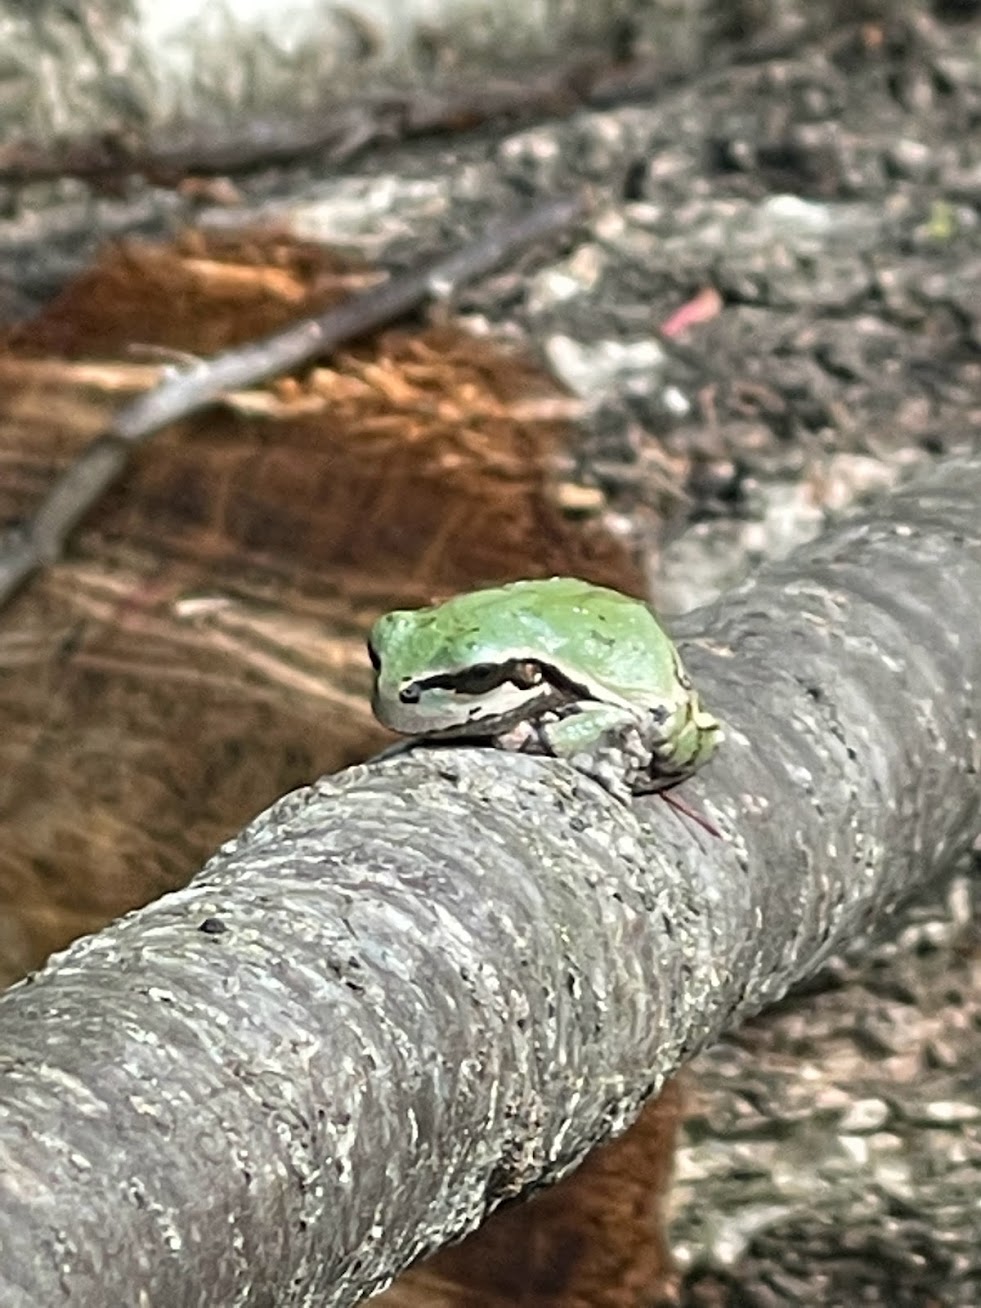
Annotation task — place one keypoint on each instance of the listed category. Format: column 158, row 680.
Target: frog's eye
column 526, row 675
column 375, row 659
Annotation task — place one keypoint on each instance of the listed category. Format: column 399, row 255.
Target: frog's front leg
column 602, row 741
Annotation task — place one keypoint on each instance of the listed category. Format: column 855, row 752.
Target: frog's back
column 581, row 628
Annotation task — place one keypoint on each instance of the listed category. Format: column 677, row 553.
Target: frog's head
column 452, row 670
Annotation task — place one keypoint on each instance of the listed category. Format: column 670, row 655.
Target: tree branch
column 414, row 989
column 134, row 78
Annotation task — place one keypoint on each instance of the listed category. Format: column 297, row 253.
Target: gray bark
column 98, row 65
column 419, row 987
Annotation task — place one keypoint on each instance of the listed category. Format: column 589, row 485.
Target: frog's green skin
column 556, row 666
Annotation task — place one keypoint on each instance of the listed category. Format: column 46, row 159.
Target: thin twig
column 42, row 539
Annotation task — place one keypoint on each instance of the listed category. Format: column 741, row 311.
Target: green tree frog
column 556, row 666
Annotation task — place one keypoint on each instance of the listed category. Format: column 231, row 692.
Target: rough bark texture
column 597, row 1239
column 419, row 987
column 150, row 67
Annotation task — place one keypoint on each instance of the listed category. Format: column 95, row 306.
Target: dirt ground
column 806, row 195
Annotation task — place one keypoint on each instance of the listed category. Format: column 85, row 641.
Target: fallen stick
column 187, row 390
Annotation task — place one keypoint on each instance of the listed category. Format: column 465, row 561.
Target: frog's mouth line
column 483, row 722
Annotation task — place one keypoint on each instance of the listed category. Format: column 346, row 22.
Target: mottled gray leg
column 602, row 742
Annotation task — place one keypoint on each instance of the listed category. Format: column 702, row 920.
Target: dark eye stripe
column 482, row 678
